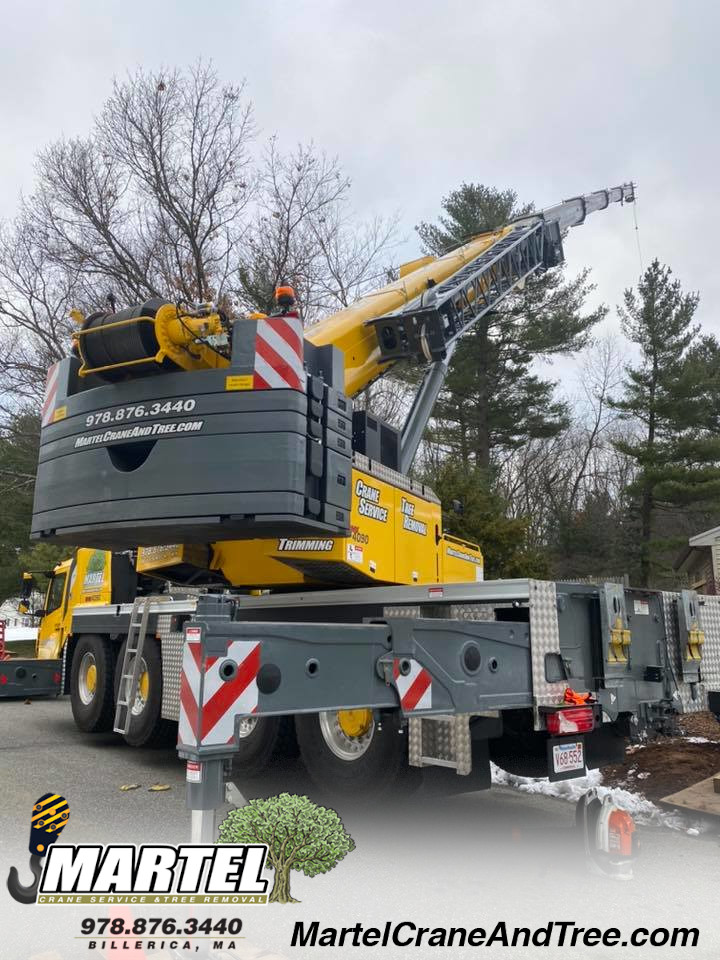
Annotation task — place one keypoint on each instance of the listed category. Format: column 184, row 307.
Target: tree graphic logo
column 95, row 570
column 300, row 836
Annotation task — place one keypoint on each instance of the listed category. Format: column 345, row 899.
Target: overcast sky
column 550, row 98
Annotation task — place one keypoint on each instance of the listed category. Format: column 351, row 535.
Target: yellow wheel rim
column 355, row 723
column 91, row 678
column 144, row 685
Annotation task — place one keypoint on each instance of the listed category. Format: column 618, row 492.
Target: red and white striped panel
column 415, row 687
column 279, row 353
column 48, row 405
column 213, row 724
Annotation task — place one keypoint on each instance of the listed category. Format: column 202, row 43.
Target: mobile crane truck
column 314, row 590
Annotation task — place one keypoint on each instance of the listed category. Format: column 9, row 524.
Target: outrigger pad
column 189, row 457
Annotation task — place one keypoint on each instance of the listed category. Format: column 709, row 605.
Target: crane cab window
column 55, row 592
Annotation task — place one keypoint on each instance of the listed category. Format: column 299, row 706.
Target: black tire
column 286, row 747
column 147, row 728
column 270, row 737
column 381, row 768
column 714, row 704
column 96, row 714
column 521, row 754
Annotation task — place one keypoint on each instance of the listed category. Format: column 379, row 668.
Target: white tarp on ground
column 16, row 634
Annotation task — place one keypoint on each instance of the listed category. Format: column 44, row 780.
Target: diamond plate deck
column 710, row 615
column 171, row 649
column 442, row 742
column 710, row 667
column 545, row 638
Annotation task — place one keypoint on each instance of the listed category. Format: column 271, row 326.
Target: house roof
column 706, row 539
column 682, row 560
column 700, row 541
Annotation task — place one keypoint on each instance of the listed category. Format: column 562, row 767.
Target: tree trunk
column 482, row 419
column 463, row 430
column 647, row 504
column 646, row 512
column 281, row 887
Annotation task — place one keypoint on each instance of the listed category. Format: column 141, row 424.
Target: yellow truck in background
column 86, row 578
column 82, row 578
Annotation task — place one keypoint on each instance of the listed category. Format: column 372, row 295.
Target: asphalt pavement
column 42, row 750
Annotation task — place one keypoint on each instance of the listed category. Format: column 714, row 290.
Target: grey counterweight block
column 191, row 456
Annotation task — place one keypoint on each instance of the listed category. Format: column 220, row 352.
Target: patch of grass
column 21, row 650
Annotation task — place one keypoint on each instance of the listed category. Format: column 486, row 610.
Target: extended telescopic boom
column 421, row 314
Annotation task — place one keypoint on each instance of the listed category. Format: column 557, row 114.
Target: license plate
column 568, row 757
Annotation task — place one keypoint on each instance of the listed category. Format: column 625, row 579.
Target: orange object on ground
column 620, row 833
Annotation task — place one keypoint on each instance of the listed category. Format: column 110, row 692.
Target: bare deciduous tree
column 35, row 302
column 575, row 479
column 152, row 201
column 166, row 198
column 305, row 233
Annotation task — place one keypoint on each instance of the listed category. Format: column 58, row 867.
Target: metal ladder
column 130, row 675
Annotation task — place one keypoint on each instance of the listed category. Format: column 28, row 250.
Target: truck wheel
column 521, row 754
column 92, row 676
column 147, row 727
column 714, row 704
column 260, row 739
column 346, row 751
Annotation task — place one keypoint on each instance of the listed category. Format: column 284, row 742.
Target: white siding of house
column 715, row 551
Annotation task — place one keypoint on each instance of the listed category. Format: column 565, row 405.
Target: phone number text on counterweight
column 139, row 411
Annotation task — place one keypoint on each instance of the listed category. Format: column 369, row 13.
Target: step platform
column 702, row 797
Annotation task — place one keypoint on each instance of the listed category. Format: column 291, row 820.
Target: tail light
column 570, row 720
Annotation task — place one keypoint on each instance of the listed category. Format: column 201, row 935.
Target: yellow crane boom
column 351, row 329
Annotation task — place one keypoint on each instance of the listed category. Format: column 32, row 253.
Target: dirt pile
column 700, row 725
column 669, row 764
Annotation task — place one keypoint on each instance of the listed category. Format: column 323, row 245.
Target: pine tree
column 492, row 400
column 18, row 463
column 591, row 541
column 673, row 395
column 19, row 442
column 472, row 208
